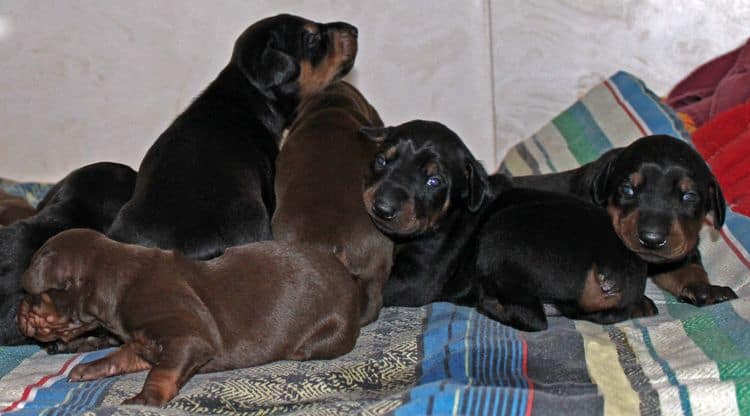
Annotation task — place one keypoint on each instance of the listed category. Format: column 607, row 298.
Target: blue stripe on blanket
column 740, row 227
column 666, row 368
column 658, row 118
column 479, row 361
column 586, row 140
column 69, row 398
column 11, row 357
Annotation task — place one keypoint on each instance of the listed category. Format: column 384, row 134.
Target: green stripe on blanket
column 687, row 360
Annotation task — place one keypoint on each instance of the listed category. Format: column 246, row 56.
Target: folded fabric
column 686, row 360
column 714, row 87
column 725, row 143
column 445, row 359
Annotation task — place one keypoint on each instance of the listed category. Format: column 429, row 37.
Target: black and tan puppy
column 658, row 191
column 534, row 247
column 255, row 304
column 13, row 208
column 88, row 197
column 207, row 182
column 318, row 185
column 424, row 189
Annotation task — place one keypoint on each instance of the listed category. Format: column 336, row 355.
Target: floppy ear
column 267, row 68
column 717, row 204
column 478, row 186
column 42, row 274
column 599, row 172
column 376, row 134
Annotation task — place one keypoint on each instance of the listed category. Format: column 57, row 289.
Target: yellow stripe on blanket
column 606, row 372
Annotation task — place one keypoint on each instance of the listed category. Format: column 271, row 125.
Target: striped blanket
column 444, row 359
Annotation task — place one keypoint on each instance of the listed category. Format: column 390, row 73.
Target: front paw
column 38, row 318
column 147, row 398
column 705, row 294
column 85, row 372
column 643, row 308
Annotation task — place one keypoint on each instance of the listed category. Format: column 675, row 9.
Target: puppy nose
column 384, row 210
column 652, row 238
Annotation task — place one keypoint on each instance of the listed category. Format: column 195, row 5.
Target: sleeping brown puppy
column 273, row 301
column 318, row 188
column 13, row 208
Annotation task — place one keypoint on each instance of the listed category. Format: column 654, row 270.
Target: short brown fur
column 275, row 301
column 318, row 188
column 13, row 208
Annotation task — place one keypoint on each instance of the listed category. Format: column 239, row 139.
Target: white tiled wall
column 86, row 80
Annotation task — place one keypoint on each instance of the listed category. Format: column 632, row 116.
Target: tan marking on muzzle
column 314, row 78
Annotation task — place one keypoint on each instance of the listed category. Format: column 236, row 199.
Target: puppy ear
column 376, row 134
column 42, row 275
column 267, row 69
column 599, row 172
column 478, row 186
column 717, row 204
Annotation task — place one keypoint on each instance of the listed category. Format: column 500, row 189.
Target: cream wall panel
column 84, row 80
column 548, row 53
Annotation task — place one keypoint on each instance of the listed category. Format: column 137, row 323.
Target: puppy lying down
column 255, row 304
column 536, row 247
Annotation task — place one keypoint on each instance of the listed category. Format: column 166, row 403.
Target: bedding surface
column 444, row 359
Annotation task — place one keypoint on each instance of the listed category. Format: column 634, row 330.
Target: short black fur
column 207, row 182
column 88, row 197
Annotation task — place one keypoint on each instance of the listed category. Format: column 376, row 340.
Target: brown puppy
column 13, row 208
column 318, row 188
column 255, row 304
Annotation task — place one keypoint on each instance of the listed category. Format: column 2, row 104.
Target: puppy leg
column 689, row 283
column 371, row 300
column 328, row 338
column 526, row 314
column 644, row 307
column 96, row 340
column 177, row 361
column 125, row 360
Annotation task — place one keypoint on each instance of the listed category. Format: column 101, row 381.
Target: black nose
column 384, row 210
column 652, row 237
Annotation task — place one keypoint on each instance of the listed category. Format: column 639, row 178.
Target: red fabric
column 725, row 144
column 714, row 87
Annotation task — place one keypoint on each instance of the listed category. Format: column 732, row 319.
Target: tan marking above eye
column 390, row 153
column 636, row 179
column 686, row 184
column 432, row 168
column 311, row 27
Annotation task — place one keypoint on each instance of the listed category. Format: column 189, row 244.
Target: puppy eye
column 433, row 181
column 690, row 196
column 380, row 161
column 313, row 40
column 627, row 190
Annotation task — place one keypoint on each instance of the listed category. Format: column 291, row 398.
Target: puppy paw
column 38, row 318
column 702, row 295
column 146, row 398
column 643, row 308
column 97, row 341
column 86, row 372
